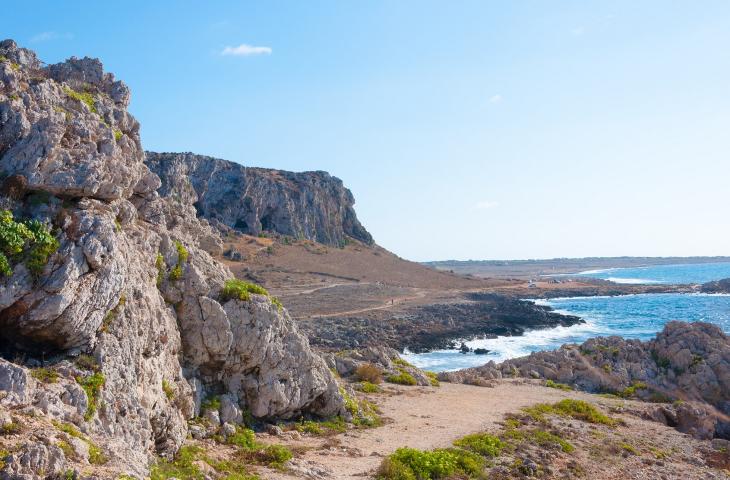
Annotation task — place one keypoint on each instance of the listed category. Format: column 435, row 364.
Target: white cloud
column 244, row 50
column 486, row 205
column 495, row 98
column 48, row 36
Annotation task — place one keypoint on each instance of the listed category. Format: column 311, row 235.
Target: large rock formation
column 127, row 310
column 686, row 362
column 310, row 205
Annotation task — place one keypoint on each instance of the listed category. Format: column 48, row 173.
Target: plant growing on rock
column 92, row 385
column 45, row 375
column 83, row 97
column 29, row 241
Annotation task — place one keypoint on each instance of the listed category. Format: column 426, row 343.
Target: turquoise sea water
column 630, row 316
column 662, row 274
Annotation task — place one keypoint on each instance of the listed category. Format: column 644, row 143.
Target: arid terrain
column 344, row 297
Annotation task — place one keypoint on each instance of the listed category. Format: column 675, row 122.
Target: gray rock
column 32, row 461
column 311, row 205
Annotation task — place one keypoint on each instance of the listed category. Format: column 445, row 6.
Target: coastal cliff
column 308, row 205
column 115, row 322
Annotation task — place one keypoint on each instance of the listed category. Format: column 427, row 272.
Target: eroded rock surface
column 311, row 205
column 686, row 362
column 130, row 301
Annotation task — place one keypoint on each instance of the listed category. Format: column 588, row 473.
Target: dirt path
column 443, row 415
column 384, row 306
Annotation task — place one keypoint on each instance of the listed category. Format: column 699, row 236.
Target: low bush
column 413, row 464
column 483, row 444
column 10, row 428
column 368, row 387
column 27, row 241
column 240, row 290
column 367, row 372
column 433, row 378
column 559, row 386
column 168, row 389
column 402, row 378
column 83, row 97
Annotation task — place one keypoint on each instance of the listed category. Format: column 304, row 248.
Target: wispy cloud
column 48, row 36
column 495, row 98
column 244, row 50
column 486, row 205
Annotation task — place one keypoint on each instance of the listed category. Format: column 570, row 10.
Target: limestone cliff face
column 129, row 305
column 311, row 205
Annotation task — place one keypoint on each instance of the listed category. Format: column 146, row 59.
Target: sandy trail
column 443, row 415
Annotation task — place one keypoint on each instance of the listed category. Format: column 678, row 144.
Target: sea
column 629, row 316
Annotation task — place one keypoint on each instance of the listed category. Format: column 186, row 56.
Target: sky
column 465, row 129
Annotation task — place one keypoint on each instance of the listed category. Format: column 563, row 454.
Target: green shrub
column 181, row 467
column 403, row 378
column 629, row 448
column 402, row 363
column 483, row 444
column 630, row 391
column 367, row 372
column 410, row 463
column 117, row 134
column 92, row 385
column 84, row 97
column 182, row 253
column 538, row 437
column 240, row 290
column 29, row 241
column 244, row 438
column 176, row 273
column 559, row 386
column 275, row 455
column 45, row 375
column 368, row 387
column 326, row 427
column 96, row 456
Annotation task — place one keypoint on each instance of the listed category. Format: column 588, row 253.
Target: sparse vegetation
column 67, row 449
column 117, row 135
column 10, row 428
column 26, row 241
column 328, row 427
column 87, row 362
column 160, row 265
column 182, row 257
column 96, row 455
column 578, row 409
column 211, row 403
column 45, row 375
column 83, row 97
column 631, row 390
column 92, row 385
column 559, row 386
column 113, row 313
column 402, row 378
column 168, row 389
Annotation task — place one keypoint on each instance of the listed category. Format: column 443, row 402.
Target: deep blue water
column 697, row 273
column 630, row 316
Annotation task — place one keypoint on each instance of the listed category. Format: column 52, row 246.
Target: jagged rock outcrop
column 686, row 362
column 310, row 205
column 127, row 312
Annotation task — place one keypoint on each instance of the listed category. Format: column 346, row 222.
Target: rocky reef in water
column 113, row 316
column 308, row 205
column 685, row 370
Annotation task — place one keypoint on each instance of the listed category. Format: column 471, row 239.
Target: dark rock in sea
column 310, row 205
column 464, row 348
column 718, row 286
column 481, row 351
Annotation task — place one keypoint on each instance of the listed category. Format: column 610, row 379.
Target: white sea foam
column 632, row 281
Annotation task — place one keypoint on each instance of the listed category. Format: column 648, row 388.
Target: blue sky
column 482, row 130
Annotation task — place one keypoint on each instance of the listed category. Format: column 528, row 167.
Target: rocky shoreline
column 437, row 326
